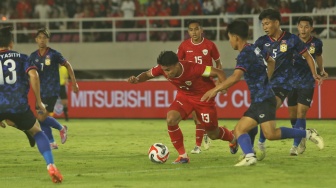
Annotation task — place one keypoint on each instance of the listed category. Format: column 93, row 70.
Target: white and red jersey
column 202, row 53
column 193, row 82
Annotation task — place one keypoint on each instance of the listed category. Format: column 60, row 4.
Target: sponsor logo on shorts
column 262, row 115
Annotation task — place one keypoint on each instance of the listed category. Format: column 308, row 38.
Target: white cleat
column 316, row 138
column 293, row 151
column 196, row 150
column 247, row 161
column 261, row 151
column 302, row 146
column 206, row 142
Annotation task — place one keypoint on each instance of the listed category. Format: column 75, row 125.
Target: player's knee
column 270, row 135
column 172, row 120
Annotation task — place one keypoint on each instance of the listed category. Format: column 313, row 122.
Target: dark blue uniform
column 48, row 69
column 282, row 51
column 251, row 60
column 14, row 83
column 302, row 76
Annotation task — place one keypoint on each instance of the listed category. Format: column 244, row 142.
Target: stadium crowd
column 46, row 9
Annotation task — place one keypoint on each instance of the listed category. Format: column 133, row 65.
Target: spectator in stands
column 128, row 9
column 114, row 5
column 320, row 19
column 331, row 30
column 245, row 7
column 231, row 8
column 42, row 10
column 218, row 5
column 208, row 7
column 174, row 7
column 71, row 7
column 284, row 9
column 23, row 9
column 256, row 9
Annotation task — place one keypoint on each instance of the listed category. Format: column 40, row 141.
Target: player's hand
column 75, row 87
column 324, row 74
column 133, row 80
column 41, row 108
column 318, row 79
column 209, row 95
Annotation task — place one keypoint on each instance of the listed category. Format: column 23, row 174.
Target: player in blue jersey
column 47, row 60
column 282, row 46
column 251, row 64
column 15, row 74
column 300, row 98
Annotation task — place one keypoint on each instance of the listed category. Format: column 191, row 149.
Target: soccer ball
column 158, row 153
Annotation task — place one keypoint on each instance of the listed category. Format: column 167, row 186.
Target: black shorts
column 23, row 121
column 262, row 111
column 281, row 93
column 302, row 96
column 63, row 93
column 49, row 102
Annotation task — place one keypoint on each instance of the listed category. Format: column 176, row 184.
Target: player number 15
column 198, row 59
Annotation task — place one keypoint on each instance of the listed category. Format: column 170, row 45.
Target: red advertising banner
column 119, row 99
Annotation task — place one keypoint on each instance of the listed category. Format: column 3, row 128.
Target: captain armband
column 207, row 71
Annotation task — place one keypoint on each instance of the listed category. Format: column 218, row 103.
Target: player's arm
column 72, row 77
column 214, row 72
column 144, row 76
column 35, row 84
column 319, row 61
column 218, row 64
column 270, row 67
column 311, row 65
column 230, row 81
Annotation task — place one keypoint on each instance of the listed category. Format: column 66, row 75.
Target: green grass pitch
column 113, row 153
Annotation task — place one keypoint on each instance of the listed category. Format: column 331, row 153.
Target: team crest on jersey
column 188, row 83
column 312, row 48
column 205, row 52
column 283, row 46
column 47, row 60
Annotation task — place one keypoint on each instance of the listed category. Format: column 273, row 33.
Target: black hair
column 6, row 36
column 43, row 30
column 238, row 27
column 194, row 21
column 167, row 58
column 306, row 18
column 270, row 14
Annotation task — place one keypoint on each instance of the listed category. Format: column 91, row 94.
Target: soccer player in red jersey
column 192, row 80
column 199, row 50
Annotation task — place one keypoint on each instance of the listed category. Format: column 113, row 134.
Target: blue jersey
column 302, row 76
column 251, row 60
column 48, row 69
column 14, row 83
column 282, row 51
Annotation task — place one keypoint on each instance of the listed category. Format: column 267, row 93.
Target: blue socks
column 52, row 122
column 292, row 133
column 299, row 124
column 262, row 138
column 44, row 147
column 47, row 131
column 252, row 133
column 244, row 141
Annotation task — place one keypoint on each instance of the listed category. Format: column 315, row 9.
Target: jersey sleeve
column 259, row 43
column 300, row 47
column 242, row 62
column 27, row 63
column 180, row 52
column 156, row 71
column 319, row 47
column 214, row 52
column 59, row 58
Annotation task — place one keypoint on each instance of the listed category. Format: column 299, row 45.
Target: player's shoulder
column 316, row 40
column 262, row 38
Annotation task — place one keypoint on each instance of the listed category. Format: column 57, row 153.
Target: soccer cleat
column 261, row 151
column 53, row 145
column 316, row 138
column 247, row 161
column 233, row 147
column 64, row 134
column 196, row 150
column 55, row 174
column 302, row 146
column 206, row 142
column 30, row 138
column 181, row 160
column 293, row 151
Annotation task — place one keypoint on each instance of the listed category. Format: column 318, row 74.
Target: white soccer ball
column 158, row 153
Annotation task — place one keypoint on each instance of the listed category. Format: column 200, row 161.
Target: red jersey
column 193, row 82
column 201, row 53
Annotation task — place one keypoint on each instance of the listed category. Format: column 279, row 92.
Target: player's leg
column 27, row 121
column 64, row 101
column 207, row 115
column 292, row 109
column 199, row 135
column 29, row 137
column 178, row 110
column 244, row 125
column 305, row 96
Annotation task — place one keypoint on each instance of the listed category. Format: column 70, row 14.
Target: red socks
column 199, row 134
column 176, row 138
column 225, row 134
